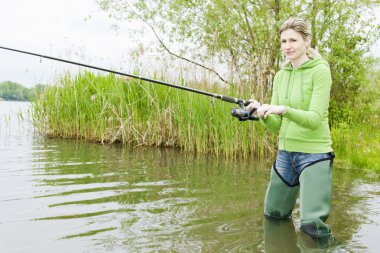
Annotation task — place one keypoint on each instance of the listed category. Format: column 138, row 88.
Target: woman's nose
column 286, row 46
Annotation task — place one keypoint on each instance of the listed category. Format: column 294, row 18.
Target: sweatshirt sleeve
column 319, row 102
column 273, row 121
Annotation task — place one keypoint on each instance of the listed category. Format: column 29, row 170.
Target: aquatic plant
column 108, row 109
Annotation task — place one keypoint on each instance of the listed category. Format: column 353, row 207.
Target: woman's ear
column 308, row 42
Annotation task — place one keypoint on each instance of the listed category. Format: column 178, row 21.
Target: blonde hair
column 303, row 28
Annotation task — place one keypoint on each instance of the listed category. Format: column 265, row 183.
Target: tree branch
column 185, row 59
column 177, row 55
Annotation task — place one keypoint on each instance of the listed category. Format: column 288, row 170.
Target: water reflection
column 149, row 200
column 72, row 196
column 281, row 236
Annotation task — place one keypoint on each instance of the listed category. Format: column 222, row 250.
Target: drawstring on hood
column 302, row 97
column 307, row 64
column 287, row 87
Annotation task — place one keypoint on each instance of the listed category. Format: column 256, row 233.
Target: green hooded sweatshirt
column 305, row 91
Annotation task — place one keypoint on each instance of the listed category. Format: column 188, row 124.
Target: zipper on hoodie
column 287, row 96
column 288, row 100
column 287, row 87
column 286, row 129
column 302, row 96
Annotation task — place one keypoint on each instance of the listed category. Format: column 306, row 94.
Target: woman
column 299, row 108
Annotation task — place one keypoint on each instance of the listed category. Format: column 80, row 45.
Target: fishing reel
column 243, row 113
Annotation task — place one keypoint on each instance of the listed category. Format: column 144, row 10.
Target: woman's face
column 293, row 45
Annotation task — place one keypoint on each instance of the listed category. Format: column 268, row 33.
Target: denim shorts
column 289, row 165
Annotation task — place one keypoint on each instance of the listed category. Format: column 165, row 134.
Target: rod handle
column 234, row 100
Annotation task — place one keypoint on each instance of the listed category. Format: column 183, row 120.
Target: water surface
column 72, row 196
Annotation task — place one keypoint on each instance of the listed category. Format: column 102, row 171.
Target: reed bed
column 108, row 109
column 357, row 140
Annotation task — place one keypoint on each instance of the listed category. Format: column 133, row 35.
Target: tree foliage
column 243, row 36
column 12, row 91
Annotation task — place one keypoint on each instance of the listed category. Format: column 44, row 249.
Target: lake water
column 71, row 196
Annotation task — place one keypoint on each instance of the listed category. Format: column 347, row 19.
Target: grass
column 357, row 137
column 108, row 109
column 358, row 145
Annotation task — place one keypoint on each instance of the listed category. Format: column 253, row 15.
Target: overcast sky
column 76, row 30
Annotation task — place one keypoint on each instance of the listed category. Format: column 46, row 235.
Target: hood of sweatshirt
column 307, row 64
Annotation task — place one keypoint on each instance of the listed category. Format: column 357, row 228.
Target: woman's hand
column 254, row 104
column 264, row 110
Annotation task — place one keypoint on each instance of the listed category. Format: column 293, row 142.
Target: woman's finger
column 261, row 111
column 255, row 102
column 267, row 113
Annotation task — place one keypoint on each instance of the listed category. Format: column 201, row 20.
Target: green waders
column 315, row 198
column 280, row 198
column 315, row 194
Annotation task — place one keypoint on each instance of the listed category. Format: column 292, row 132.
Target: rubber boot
column 315, row 198
column 310, row 244
column 280, row 198
column 280, row 236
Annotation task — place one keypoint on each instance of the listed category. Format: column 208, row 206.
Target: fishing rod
column 241, row 113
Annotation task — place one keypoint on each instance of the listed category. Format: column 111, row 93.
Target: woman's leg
column 315, row 198
column 283, row 188
column 280, row 198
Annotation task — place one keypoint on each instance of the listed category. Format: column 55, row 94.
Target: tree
column 243, row 36
column 12, row 91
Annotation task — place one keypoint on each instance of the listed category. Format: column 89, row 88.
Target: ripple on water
column 71, row 196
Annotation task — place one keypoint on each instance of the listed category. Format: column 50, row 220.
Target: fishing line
column 241, row 113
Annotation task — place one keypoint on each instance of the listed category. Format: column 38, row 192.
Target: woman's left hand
column 265, row 109
column 253, row 105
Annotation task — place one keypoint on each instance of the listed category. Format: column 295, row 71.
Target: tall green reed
column 357, row 139
column 108, row 109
